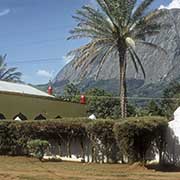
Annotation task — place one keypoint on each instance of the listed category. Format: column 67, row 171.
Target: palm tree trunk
column 122, row 67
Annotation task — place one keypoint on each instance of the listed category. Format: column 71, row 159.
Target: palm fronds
column 113, row 31
column 8, row 74
column 141, row 10
column 116, row 20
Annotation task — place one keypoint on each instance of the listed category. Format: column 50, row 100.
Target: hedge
column 103, row 141
column 15, row 135
column 136, row 135
column 109, row 138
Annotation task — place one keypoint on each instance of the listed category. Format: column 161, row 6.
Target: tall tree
column 114, row 30
column 8, row 74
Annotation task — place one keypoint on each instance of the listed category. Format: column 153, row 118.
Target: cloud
column 5, row 12
column 44, row 73
column 175, row 4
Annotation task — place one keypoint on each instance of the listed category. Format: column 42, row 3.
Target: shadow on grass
column 163, row 168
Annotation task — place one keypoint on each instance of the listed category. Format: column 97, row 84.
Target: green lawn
column 21, row 168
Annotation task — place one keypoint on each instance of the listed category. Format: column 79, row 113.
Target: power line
column 37, row 60
column 132, row 98
column 19, row 44
column 48, row 29
column 153, row 98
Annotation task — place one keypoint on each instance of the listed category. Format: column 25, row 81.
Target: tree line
column 104, row 105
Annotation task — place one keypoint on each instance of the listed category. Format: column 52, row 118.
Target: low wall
column 31, row 106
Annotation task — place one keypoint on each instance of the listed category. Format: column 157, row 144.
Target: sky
column 33, row 34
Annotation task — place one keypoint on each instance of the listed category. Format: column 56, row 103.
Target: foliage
column 107, row 107
column 141, row 111
column 114, row 31
column 38, row 147
column 103, row 105
column 8, row 74
column 153, row 109
column 71, row 93
column 103, row 140
column 97, row 92
column 171, row 99
column 131, row 137
column 136, row 135
column 15, row 135
column 71, row 90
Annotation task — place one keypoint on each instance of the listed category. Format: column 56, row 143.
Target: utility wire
column 130, row 98
column 47, row 29
column 37, row 61
column 29, row 43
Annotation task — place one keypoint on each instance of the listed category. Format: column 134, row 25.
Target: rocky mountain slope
column 159, row 67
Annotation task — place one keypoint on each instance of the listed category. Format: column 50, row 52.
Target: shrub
column 15, row 135
column 135, row 136
column 103, row 140
column 108, row 138
column 38, row 147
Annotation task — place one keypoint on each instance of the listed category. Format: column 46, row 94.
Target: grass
column 22, row 168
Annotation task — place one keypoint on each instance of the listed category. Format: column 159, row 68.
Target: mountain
column 160, row 68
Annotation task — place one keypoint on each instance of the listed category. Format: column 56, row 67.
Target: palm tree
column 8, row 74
column 114, row 30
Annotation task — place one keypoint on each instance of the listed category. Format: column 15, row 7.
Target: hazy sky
column 33, row 34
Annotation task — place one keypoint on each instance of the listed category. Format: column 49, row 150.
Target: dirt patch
column 20, row 168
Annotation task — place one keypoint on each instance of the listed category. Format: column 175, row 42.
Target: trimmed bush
column 135, row 136
column 103, row 140
column 109, row 139
column 38, row 147
column 15, row 135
